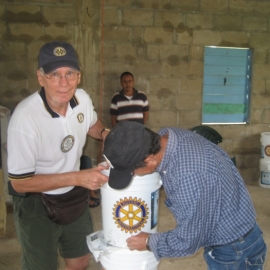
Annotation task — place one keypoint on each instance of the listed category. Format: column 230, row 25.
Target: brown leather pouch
column 66, row 208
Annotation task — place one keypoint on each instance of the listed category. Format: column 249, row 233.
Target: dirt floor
column 10, row 249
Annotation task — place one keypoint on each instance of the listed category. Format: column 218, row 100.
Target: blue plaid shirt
column 205, row 193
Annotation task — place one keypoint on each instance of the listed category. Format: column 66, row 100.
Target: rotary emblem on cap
column 59, row 51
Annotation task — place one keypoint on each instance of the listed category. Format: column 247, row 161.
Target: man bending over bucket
column 205, row 193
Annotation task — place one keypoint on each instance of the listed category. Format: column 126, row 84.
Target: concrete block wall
column 162, row 44
column 160, row 41
column 26, row 25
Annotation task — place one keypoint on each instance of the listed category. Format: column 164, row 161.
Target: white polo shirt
column 41, row 141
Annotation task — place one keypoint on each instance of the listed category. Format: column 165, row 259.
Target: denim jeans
column 247, row 253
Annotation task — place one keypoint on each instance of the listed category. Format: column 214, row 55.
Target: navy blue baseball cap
column 57, row 54
column 125, row 146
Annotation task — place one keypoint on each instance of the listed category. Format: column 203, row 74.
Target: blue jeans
column 246, row 253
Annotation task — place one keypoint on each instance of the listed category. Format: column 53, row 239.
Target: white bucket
column 265, row 145
column 125, row 259
column 128, row 211
column 264, row 180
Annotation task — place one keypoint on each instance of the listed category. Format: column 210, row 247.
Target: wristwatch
column 105, row 129
column 147, row 243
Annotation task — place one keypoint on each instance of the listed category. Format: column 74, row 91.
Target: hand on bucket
column 137, row 242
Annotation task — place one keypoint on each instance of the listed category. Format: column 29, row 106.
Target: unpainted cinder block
column 118, row 3
column 266, row 116
column 153, row 4
column 42, row 2
column 26, row 31
column 191, row 5
column 267, row 86
column 189, row 118
column 178, row 51
column 12, row 50
column 170, row 19
column 23, row 8
column 160, row 101
column 183, row 101
column 260, row 56
column 117, row 34
column 260, row 40
column 184, row 37
column 255, row 23
column 158, row 118
column 206, row 37
column 124, row 50
column 137, row 34
column 261, row 71
column 259, row 85
column 112, row 17
column 195, row 69
column 227, row 22
column 54, row 31
column 158, row 35
column 191, row 85
column 168, row 70
column 2, row 12
column 142, row 83
column 58, row 14
column 164, row 85
column 246, row 146
column 197, row 53
column 199, row 21
column 256, row 116
column 262, row 8
column 214, row 5
column 257, row 129
column 234, row 39
column 3, row 30
column 33, row 85
column 181, row 71
column 109, row 51
column 242, row 7
column 260, row 101
column 137, row 17
column 33, row 49
column 152, row 52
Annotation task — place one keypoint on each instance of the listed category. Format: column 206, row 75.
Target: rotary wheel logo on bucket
column 267, row 150
column 130, row 214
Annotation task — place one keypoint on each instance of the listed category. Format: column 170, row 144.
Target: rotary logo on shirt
column 80, row 117
column 67, row 143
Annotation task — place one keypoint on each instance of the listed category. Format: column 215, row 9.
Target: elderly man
column 205, row 193
column 46, row 136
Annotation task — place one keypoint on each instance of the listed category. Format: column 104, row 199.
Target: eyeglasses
column 55, row 76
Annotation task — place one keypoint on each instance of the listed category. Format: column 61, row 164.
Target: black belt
column 240, row 239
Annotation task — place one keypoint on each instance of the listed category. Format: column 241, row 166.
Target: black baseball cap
column 57, row 54
column 125, row 146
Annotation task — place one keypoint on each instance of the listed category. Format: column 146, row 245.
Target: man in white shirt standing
column 46, row 136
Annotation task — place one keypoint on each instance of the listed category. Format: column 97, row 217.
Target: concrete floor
column 10, row 249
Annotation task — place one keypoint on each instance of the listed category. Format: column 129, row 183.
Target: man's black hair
column 154, row 148
column 125, row 74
